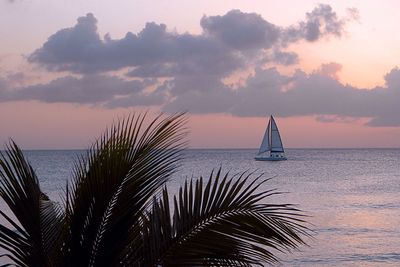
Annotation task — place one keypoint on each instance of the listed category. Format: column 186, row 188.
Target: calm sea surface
column 351, row 195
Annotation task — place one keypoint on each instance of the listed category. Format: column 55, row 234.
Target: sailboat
column 271, row 148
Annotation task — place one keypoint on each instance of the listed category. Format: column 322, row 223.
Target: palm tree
column 116, row 210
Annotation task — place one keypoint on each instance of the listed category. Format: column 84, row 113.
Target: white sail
column 276, row 142
column 265, row 144
column 271, row 143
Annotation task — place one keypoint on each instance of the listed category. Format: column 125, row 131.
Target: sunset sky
column 326, row 70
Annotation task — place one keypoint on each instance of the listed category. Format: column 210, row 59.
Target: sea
column 351, row 196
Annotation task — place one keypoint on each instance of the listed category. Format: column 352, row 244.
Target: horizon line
column 217, row 148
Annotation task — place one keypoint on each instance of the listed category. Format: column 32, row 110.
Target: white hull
column 270, row 158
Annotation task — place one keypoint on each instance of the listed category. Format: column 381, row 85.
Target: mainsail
column 276, row 142
column 272, row 140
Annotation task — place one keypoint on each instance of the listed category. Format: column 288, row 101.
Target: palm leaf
column 113, row 217
column 114, row 183
column 228, row 223
column 31, row 240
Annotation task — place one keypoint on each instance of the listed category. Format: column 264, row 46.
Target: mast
column 270, row 134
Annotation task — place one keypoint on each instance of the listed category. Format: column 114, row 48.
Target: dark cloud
column 4, row 89
column 90, row 89
column 194, row 65
column 197, row 94
column 241, row 31
column 330, row 69
column 81, row 50
column 228, row 43
column 300, row 94
column 267, row 91
column 393, row 78
column 186, row 71
column 18, row 78
column 321, row 21
column 285, row 58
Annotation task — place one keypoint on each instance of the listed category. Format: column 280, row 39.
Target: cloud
column 89, row 89
column 321, row 21
column 241, row 31
column 330, row 69
column 285, row 58
column 228, row 43
column 186, row 71
column 198, row 95
column 81, row 50
column 334, row 118
column 4, row 88
column 301, row 94
column 353, row 14
column 194, row 65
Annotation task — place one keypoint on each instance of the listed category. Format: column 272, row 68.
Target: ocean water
column 352, row 196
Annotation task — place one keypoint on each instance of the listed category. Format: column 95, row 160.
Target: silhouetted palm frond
column 112, row 214
column 114, row 183
column 34, row 232
column 226, row 223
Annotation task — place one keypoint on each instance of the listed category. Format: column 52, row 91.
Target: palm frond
column 228, row 223
column 31, row 237
column 114, row 183
column 112, row 214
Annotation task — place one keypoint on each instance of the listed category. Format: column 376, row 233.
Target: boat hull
column 270, row 158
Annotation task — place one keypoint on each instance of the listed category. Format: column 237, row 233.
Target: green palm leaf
column 227, row 223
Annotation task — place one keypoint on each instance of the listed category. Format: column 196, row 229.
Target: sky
column 328, row 71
